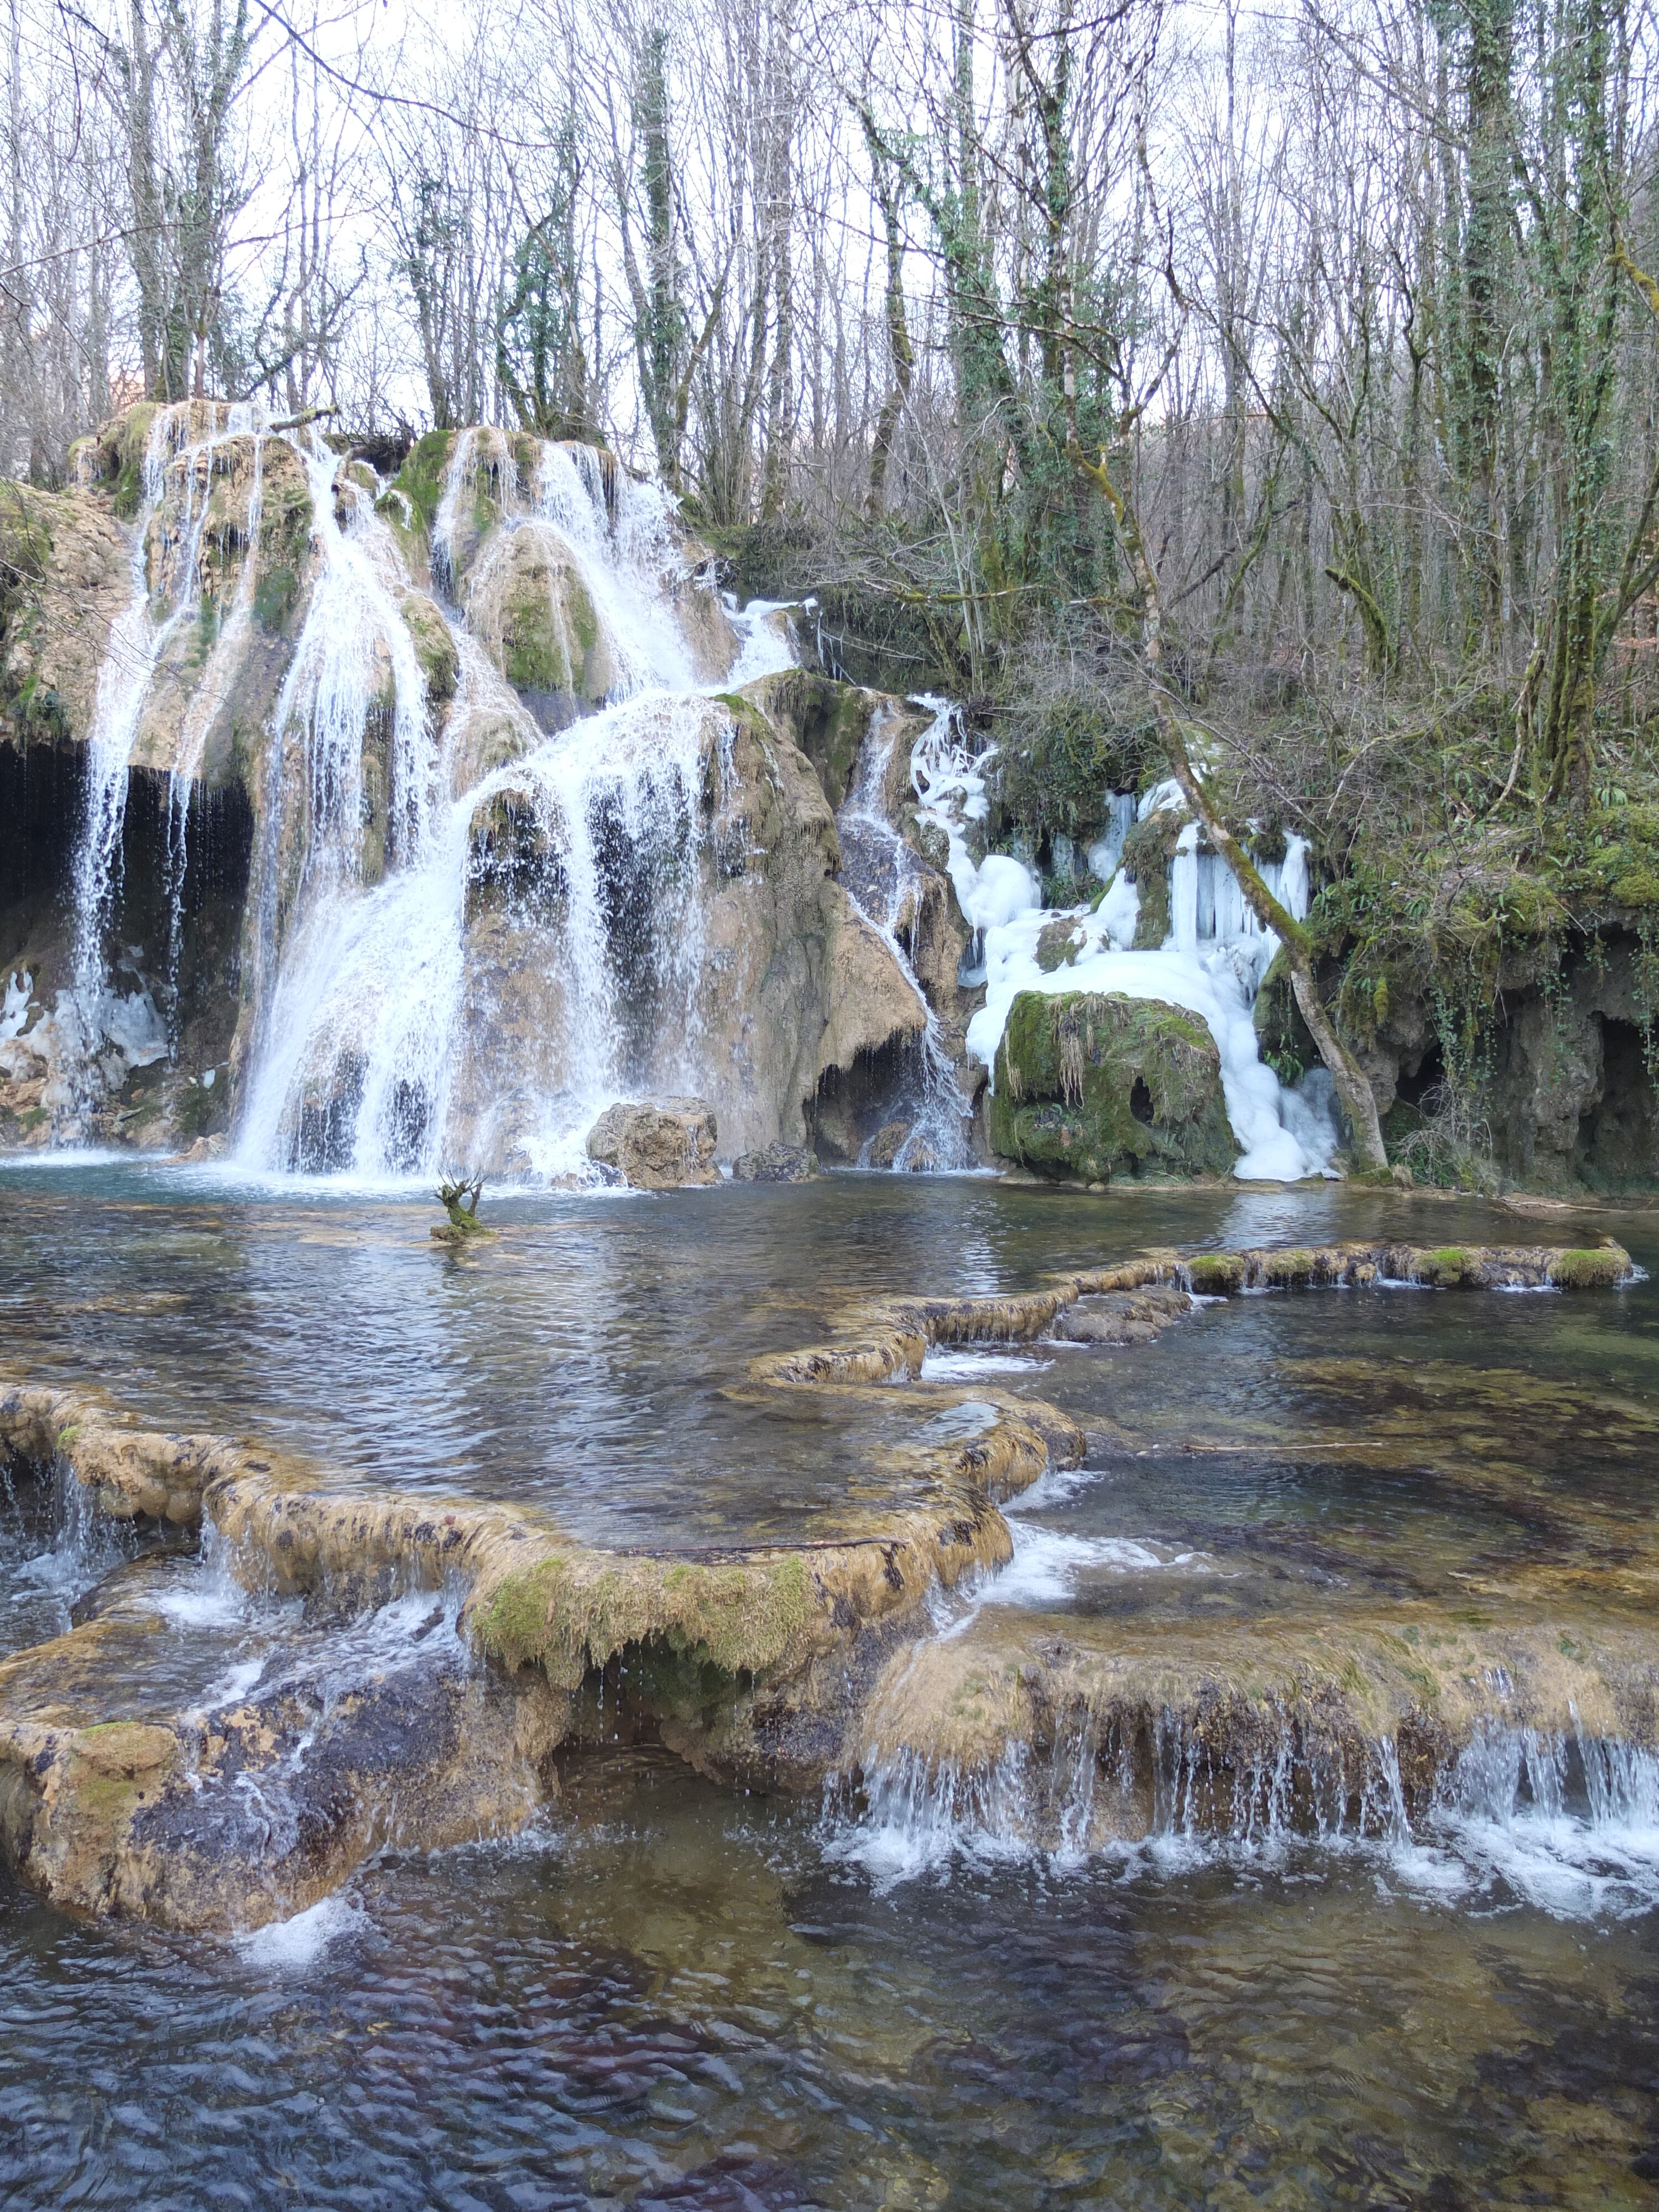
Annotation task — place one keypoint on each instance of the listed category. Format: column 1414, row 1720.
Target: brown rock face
column 884, row 1144
column 657, row 1147
column 778, row 1163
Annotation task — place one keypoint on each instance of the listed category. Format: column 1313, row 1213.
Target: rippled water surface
column 667, row 1995
column 678, row 2000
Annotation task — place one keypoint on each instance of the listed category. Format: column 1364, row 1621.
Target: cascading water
column 620, row 556
column 98, row 1031
column 134, row 644
column 370, row 1015
column 380, row 1049
column 90, row 1009
column 354, row 663
column 229, row 651
column 882, row 878
column 1568, row 1823
column 1212, row 962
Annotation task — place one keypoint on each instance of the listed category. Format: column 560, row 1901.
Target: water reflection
column 667, row 1995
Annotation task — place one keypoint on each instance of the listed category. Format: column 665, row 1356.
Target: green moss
column 434, row 648
column 1447, row 1266
column 1058, row 946
column 1289, row 1270
column 1062, row 757
column 732, row 1617
column 206, row 626
column 128, row 494
column 1285, row 1041
column 285, row 526
column 536, row 655
column 421, row 479
column 1590, row 1270
column 1216, row 1274
column 193, row 1110
column 1091, row 1086
column 534, row 662
column 39, row 713
column 275, row 591
column 1637, row 886
column 1147, row 851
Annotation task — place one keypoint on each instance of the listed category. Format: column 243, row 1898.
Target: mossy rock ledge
column 1091, row 1086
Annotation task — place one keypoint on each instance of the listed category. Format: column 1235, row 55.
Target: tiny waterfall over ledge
column 1568, row 1822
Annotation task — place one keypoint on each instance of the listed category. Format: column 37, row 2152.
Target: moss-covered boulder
column 434, row 646
column 1091, row 1086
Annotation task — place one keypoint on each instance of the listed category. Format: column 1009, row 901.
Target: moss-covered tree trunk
column 1353, row 1087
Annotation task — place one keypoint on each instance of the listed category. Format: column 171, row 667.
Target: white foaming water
column 364, row 1027
column 967, row 1366
column 620, row 560
column 354, row 648
column 609, row 534
column 763, row 646
column 1048, row 1563
column 90, row 1014
column 124, row 678
column 288, row 1946
column 1211, row 962
column 1566, row 1826
column 230, row 650
column 377, row 1052
column 882, row 876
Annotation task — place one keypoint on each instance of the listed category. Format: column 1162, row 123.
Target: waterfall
column 1212, row 962
column 1569, row 1823
column 371, row 1033
column 882, row 876
column 229, row 653
column 571, row 861
column 356, row 661
column 91, row 1014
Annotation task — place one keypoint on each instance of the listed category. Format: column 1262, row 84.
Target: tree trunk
column 1352, row 1086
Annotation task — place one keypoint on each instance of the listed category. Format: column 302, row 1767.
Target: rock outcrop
column 394, row 1708
column 777, row 1162
column 330, row 649
column 657, row 1146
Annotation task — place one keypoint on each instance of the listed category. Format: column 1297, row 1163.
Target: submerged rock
column 778, row 1163
column 1123, row 1316
column 1088, row 1086
column 885, row 1145
column 657, row 1146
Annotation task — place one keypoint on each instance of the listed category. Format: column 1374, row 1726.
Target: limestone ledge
column 149, row 1817
column 765, row 1664
column 907, row 1327
column 1106, row 1730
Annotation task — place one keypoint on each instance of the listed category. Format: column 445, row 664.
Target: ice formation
column 1211, row 962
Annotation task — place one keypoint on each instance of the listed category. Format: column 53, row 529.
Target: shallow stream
column 666, row 1994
